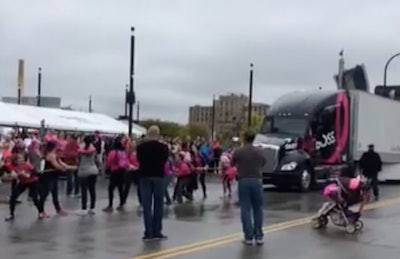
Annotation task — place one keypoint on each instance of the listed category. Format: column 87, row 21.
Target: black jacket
column 370, row 163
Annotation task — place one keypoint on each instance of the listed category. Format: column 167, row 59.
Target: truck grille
column 271, row 154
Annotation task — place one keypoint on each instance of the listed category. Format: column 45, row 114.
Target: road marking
column 214, row 242
column 228, row 241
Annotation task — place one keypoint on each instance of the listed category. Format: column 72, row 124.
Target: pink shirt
column 133, row 160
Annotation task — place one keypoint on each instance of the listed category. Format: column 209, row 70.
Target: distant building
column 231, row 113
column 258, row 109
column 45, row 101
column 201, row 115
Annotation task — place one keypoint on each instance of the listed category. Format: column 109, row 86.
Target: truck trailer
column 309, row 137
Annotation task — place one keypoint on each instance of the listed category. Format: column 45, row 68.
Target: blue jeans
column 152, row 192
column 373, row 181
column 251, row 201
column 72, row 182
column 167, row 180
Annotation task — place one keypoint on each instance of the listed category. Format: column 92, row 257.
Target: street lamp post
column 138, row 112
column 386, row 67
column 250, row 97
column 213, row 119
column 90, row 104
column 39, row 87
column 126, row 100
column 131, row 95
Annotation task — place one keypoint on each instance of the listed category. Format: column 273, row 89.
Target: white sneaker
column 247, row 242
column 260, row 242
column 91, row 212
column 82, row 212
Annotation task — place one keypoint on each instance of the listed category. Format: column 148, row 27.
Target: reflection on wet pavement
column 118, row 235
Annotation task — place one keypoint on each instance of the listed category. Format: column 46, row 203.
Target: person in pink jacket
column 117, row 164
column 132, row 175
column 182, row 173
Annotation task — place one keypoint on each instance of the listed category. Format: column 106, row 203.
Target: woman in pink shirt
column 117, row 164
column 182, row 173
column 132, row 174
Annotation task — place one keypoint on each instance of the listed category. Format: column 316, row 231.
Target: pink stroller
column 343, row 194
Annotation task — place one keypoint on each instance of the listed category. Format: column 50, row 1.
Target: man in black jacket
column 371, row 165
column 152, row 155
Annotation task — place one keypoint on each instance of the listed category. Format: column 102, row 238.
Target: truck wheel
column 305, row 179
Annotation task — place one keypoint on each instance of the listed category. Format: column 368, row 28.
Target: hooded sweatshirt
column 87, row 165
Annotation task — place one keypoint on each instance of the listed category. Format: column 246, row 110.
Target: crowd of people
column 28, row 163
column 151, row 163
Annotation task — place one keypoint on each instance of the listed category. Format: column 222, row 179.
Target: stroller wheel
column 315, row 223
column 350, row 229
column 318, row 223
column 359, row 225
column 324, row 221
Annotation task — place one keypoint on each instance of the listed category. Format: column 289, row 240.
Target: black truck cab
column 304, row 138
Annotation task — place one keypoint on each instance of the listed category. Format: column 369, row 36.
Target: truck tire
column 305, row 179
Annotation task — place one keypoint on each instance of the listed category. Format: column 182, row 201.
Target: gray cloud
column 186, row 51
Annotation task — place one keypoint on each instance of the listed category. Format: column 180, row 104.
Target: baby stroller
column 343, row 194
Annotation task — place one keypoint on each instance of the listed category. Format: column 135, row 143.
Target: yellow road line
column 224, row 242
column 214, row 240
column 202, row 245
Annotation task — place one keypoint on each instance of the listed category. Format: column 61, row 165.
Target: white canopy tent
column 136, row 127
column 12, row 115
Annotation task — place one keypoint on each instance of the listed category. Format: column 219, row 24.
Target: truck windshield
column 284, row 125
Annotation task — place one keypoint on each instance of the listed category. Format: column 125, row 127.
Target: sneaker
column 91, row 212
column 108, row 209
column 62, row 213
column 9, row 218
column 160, row 237
column 82, row 212
column 259, row 242
column 147, row 239
column 121, row 208
column 71, row 196
column 247, row 242
column 77, row 196
column 44, row 215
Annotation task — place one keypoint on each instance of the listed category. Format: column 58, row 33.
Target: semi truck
column 312, row 136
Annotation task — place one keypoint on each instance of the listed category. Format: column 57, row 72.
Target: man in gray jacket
column 249, row 162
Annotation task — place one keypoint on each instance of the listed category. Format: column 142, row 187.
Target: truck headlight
column 289, row 167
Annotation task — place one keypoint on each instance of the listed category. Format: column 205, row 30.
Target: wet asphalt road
column 202, row 229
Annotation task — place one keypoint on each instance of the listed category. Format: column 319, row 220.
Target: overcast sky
column 187, row 50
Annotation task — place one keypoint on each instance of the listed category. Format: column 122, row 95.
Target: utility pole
column 138, row 112
column 213, row 119
column 90, row 104
column 126, row 101
column 21, row 79
column 39, row 87
column 341, row 70
column 250, row 106
column 131, row 95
